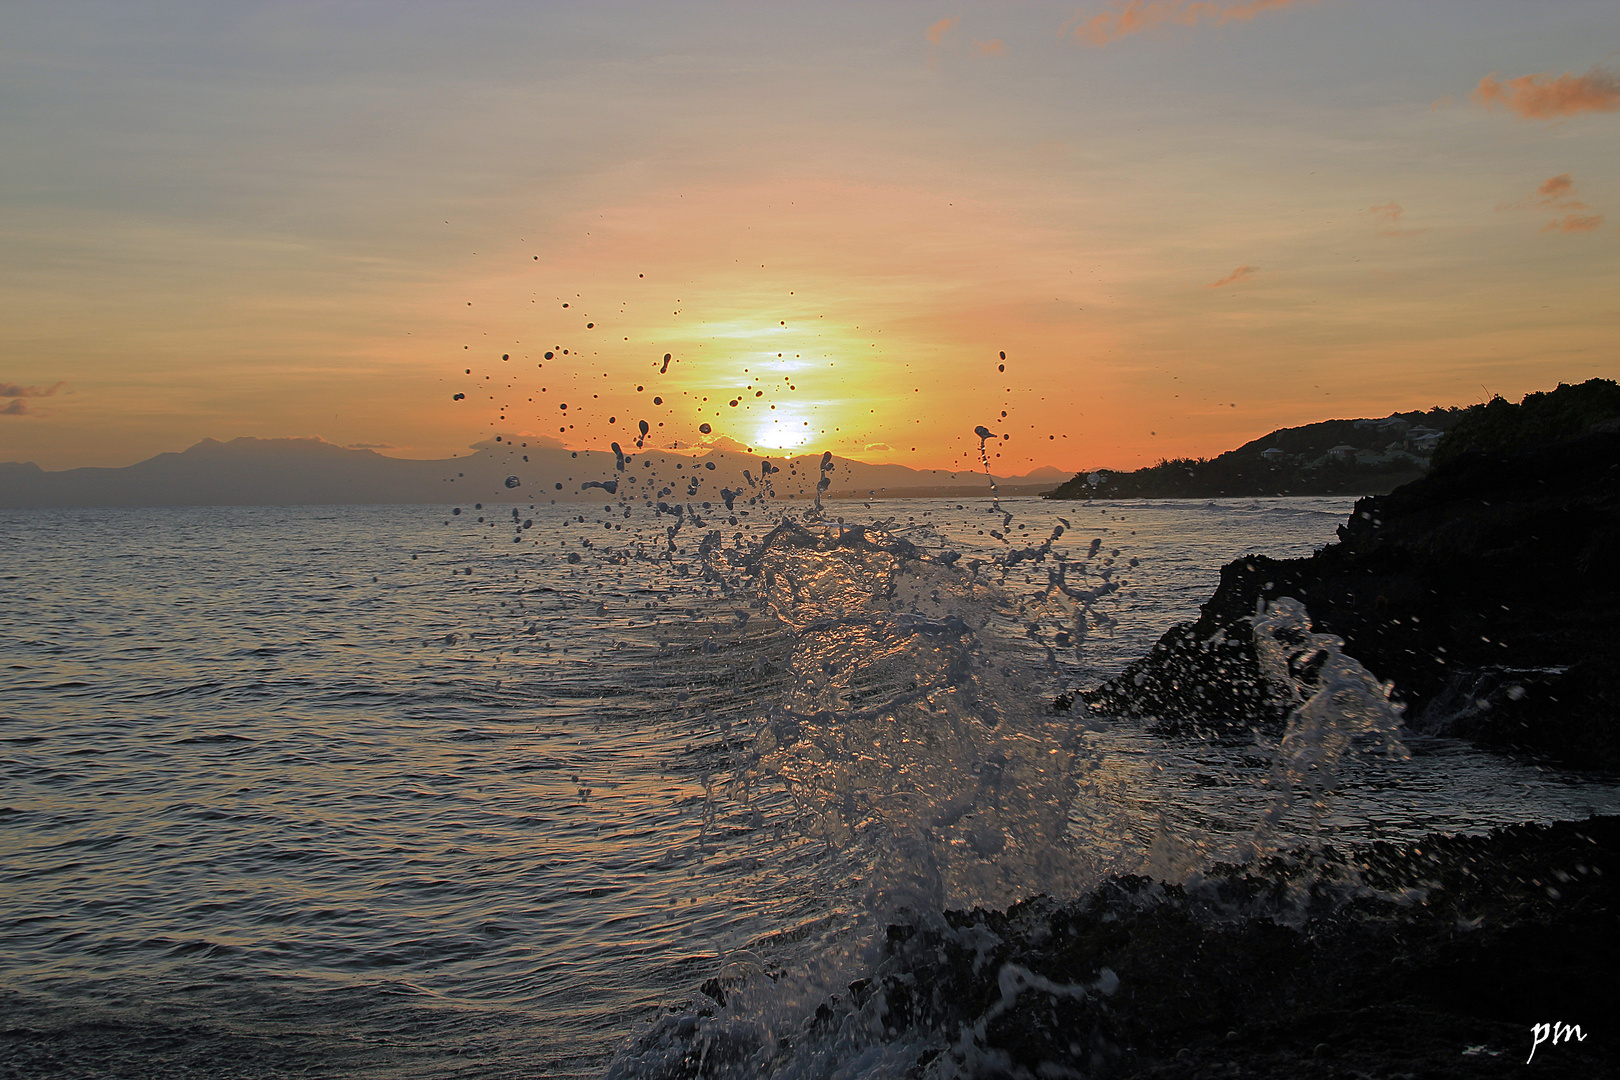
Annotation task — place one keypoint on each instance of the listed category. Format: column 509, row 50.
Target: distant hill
column 293, row 472
column 1333, row 457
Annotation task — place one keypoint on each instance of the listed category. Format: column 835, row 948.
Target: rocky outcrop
column 1393, row 958
column 1488, row 592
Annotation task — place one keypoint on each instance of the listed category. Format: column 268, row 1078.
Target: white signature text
column 1554, row 1032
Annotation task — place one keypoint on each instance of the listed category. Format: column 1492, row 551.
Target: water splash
column 1332, row 700
column 904, row 739
column 823, row 482
column 909, row 755
column 985, row 434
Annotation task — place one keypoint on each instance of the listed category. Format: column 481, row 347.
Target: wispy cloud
column 518, row 439
column 1555, row 192
column 725, row 443
column 369, row 446
column 1240, row 274
column 12, row 390
column 1542, row 97
column 937, row 32
column 993, row 47
column 1126, row 17
column 1389, row 215
column 1575, row 223
column 17, row 406
column 1556, row 186
column 1558, row 193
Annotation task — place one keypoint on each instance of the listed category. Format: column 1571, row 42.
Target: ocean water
column 392, row 791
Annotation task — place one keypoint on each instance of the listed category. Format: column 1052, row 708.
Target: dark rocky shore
column 1382, row 962
column 1428, row 960
column 1488, row 592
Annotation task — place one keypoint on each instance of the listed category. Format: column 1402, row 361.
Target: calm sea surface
column 387, row 791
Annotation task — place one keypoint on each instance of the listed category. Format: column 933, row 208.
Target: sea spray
column 909, row 753
column 905, row 740
column 1332, row 702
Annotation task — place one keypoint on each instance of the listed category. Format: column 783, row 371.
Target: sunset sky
column 1184, row 223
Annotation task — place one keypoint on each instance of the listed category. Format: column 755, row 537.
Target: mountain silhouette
column 300, row 472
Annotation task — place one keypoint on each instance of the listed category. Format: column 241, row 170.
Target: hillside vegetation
column 1363, row 457
column 1333, row 457
column 1500, row 427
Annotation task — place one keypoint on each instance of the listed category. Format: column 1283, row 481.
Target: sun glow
column 786, row 431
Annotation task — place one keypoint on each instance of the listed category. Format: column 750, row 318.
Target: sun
column 783, row 431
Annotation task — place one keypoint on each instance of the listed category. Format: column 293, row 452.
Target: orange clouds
column 16, row 406
column 937, row 32
column 994, row 47
column 1555, row 186
column 1127, row 17
column 1389, row 214
column 1575, row 223
column 1558, row 193
column 12, row 390
column 1534, row 99
column 1240, row 274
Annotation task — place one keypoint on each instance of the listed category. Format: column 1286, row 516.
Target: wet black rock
column 1488, row 592
column 1432, row 959
column 1383, row 958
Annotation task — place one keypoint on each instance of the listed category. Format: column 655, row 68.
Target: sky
column 1185, row 224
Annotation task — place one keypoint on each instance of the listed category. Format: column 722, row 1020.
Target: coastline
column 1484, row 592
